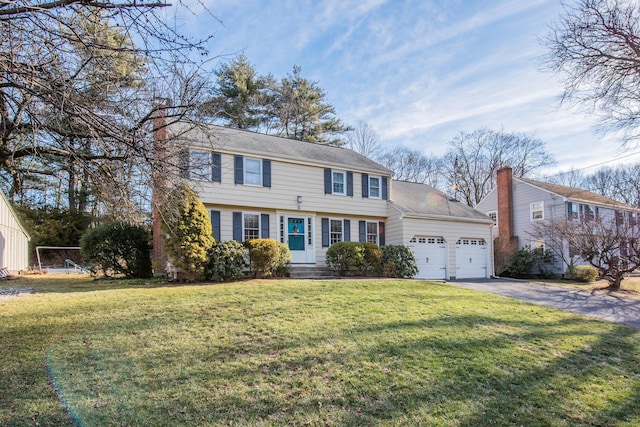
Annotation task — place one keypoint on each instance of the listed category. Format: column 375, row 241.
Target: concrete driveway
column 605, row 307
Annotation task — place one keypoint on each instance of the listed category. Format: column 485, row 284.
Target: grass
column 275, row 353
column 630, row 286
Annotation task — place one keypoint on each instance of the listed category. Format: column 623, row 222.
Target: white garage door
column 431, row 256
column 471, row 258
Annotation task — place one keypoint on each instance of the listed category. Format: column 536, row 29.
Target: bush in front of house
column 118, row 248
column 227, row 261
column 585, row 273
column 398, row 261
column 372, row 258
column 345, row 257
column 267, row 257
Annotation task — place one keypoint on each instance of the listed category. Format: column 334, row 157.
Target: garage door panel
column 431, row 256
column 471, row 258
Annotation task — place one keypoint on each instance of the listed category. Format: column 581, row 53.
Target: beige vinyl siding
column 14, row 242
column 288, row 181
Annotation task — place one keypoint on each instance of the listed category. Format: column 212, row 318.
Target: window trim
column 244, row 223
column 376, row 223
column 344, row 182
column 532, row 211
column 538, row 245
column 331, row 232
column 245, row 172
column 379, row 187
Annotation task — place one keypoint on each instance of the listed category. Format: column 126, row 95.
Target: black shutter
column 238, row 174
column 381, row 239
column 237, row 226
column 264, row 226
column 365, row 185
column 349, row 183
column 346, row 236
column 327, row 181
column 325, row 232
column 385, row 188
column 215, row 225
column 184, row 163
column 266, row 173
column 216, row 167
column 362, row 231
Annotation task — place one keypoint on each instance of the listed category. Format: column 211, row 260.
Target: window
column 199, row 165
column 251, row 229
column 586, row 212
column 338, row 182
column 537, row 211
column 374, row 187
column 537, row 246
column 494, row 216
column 335, row 233
column 572, row 210
column 372, row 232
column 252, row 171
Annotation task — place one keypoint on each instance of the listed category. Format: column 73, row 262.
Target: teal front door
column 295, row 234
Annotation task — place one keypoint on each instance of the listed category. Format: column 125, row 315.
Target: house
column 519, row 206
column 310, row 196
column 14, row 239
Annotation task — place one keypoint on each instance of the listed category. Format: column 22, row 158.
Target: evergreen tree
column 187, row 227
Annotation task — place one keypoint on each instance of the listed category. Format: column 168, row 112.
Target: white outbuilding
column 14, row 239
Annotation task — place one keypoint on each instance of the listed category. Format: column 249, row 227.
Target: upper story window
column 252, row 171
column 586, row 212
column 204, row 165
column 374, row 187
column 537, row 211
column 494, row 216
column 572, row 210
column 338, row 181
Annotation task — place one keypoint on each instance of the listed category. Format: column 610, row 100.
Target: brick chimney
column 159, row 183
column 507, row 242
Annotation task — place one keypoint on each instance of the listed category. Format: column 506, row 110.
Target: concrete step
column 297, row 272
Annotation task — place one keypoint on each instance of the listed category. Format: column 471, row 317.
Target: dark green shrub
column 398, row 261
column 345, row 257
column 118, row 248
column 372, row 258
column 522, row 262
column 585, row 273
column 227, row 261
column 267, row 257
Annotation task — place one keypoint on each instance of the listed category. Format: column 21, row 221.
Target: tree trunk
column 615, row 283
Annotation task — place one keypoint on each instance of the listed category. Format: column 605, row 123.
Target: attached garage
column 431, row 256
column 471, row 258
column 449, row 239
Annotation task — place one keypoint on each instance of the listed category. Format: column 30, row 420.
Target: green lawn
column 344, row 353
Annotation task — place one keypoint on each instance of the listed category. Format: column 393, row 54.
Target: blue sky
column 418, row 72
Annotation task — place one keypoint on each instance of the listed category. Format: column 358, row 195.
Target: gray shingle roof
column 241, row 141
column 575, row 193
column 422, row 199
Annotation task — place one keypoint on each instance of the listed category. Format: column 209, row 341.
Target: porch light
column 299, row 199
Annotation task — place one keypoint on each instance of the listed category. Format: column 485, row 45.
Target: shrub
column 522, row 262
column 118, row 248
column 227, row 261
column 585, row 273
column 188, row 232
column 372, row 258
column 346, row 257
column 398, row 261
column 267, row 256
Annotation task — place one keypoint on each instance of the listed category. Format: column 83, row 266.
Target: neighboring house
column 518, row 206
column 310, row 196
column 14, row 239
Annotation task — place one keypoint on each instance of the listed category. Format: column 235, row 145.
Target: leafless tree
column 364, row 140
column 77, row 101
column 609, row 243
column 472, row 160
column 412, row 165
column 595, row 46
